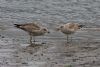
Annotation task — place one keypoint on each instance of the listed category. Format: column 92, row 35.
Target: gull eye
column 45, row 29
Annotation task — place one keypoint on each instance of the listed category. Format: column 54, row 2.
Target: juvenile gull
column 69, row 28
column 33, row 30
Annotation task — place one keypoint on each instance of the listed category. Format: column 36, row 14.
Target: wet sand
column 55, row 53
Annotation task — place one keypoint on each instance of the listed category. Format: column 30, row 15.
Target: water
column 49, row 12
column 65, row 10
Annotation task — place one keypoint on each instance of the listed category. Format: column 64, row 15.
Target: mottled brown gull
column 33, row 30
column 69, row 28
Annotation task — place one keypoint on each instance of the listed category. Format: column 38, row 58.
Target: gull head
column 45, row 30
column 59, row 28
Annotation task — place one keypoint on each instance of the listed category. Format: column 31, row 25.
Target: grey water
column 49, row 12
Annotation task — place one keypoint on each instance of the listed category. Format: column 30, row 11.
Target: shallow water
column 49, row 13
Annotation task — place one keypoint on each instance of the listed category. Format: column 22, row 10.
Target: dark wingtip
column 17, row 25
column 81, row 26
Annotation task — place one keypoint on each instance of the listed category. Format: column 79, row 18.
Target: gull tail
column 81, row 26
column 18, row 25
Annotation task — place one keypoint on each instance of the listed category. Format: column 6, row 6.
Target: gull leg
column 67, row 38
column 71, row 38
column 31, row 44
column 34, row 39
column 30, row 39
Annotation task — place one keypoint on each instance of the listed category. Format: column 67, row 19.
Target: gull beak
column 57, row 29
column 48, row 31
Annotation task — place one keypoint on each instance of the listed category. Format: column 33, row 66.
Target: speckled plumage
column 33, row 29
column 69, row 28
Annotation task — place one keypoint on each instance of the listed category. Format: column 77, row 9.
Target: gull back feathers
column 28, row 27
column 69, row 28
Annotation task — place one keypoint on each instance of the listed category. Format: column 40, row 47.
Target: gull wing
column 28, row 26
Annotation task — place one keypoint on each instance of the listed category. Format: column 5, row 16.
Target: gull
column 32, row 29
column 69, row 28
